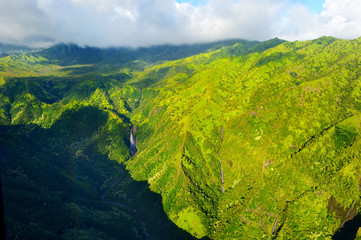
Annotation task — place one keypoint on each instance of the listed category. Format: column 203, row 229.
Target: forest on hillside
column 235, row 140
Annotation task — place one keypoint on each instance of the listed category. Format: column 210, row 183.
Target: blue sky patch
column 193, row 2
column 315, row 6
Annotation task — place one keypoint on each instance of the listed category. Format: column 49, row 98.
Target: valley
column 226, row 140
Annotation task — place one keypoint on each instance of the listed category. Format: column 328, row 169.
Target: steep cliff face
column 245, row 141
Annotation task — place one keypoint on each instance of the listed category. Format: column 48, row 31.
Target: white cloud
column 342, row 18
column 124, row 13
column 20, row 20
column 149, row 22
column 339, row 18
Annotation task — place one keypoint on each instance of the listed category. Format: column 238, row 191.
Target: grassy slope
column 289, row 144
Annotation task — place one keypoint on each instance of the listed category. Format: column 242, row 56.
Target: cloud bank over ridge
column 152, row 22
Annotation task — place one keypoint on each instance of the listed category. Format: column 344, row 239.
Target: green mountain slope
column 243, row 140
column 284, row 124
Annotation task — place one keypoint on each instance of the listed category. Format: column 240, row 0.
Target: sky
column 136, row 23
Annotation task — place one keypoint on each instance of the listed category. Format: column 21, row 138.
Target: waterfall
column 133, row 142
column 222, row 175
column 220, row 163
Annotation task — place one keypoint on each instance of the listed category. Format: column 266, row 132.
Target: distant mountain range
column 9, row 49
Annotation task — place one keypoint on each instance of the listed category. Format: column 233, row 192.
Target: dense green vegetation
column 281, row 119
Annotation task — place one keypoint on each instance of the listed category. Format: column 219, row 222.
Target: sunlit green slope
column 279, row 120
column 284, row 124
